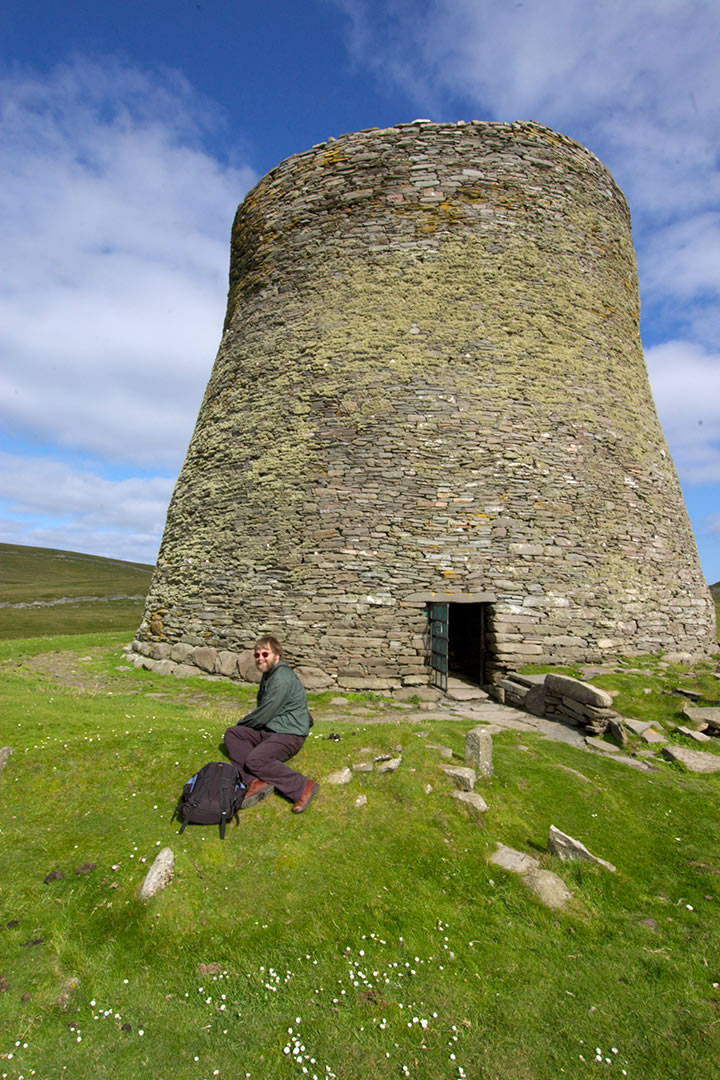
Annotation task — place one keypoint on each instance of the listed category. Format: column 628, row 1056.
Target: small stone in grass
column 54, row 875
column 86, row 868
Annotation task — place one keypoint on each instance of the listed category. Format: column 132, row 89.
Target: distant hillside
column 44, row 591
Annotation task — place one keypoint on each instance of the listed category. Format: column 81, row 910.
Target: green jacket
column 281, row 703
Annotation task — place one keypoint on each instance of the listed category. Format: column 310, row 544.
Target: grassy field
column 350, row 941
column 63, row 592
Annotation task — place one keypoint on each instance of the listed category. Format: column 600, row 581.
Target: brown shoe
column 257, row 791
column 308, row 794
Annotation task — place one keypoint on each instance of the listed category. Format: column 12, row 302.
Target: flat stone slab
column 471, row 798
column 517, row 862
column 697, row 736
column 464, row 778
column 651, row 736
column 637, row 726
column 695, row 760
column 388, row 766
column 709, row 717
column 600, row 744
column 585, row 693
column 550, row 889
column 159, row 875
column 567, row 848
column 466, row 693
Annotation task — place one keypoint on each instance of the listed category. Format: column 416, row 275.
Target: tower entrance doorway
column 458, row 641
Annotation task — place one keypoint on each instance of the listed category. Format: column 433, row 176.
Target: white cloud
column 686, row 385
column 113, row 274
column 48, row 503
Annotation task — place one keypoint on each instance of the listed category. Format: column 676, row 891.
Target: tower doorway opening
column 458, row 641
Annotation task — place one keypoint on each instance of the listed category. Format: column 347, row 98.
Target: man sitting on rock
column 273, row 732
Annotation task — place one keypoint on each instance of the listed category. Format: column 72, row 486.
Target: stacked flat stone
column 578, row 703
column 430, row 381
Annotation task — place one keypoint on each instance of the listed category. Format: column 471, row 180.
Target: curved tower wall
column 431, row 384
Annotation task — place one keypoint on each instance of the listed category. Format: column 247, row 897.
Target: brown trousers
column 260, row 753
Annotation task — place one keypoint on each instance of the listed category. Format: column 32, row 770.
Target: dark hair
column 269, row 642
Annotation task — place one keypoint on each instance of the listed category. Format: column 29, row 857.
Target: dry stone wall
column 430, row 381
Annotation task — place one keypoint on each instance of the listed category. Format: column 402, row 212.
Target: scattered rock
column 86, row 868
column 389, row 766
column 479, row 750
column 565, row 847
column 159, row 875
column 471, row 798
column 363, row 766
column 703, row 718
column 340, row 776
column 517, row 862
column 548, row 887
column 31, row 942
column 444, row 751
column 463, row 777
column 4, row 985
column 54, row 875
column 695, row 760
column 649, row 735
column 649, row 922
column 361, row 801
column 600, row 744
column 339, row 701
column 5, row 753
column 697, row 736
column 636, row 726
column 616, row 730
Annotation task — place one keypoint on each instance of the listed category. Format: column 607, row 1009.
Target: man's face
column 265, row 658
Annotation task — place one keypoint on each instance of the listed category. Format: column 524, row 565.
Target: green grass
column 378, row 934
column 74, row 592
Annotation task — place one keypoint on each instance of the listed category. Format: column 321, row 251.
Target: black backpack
column 211, row 797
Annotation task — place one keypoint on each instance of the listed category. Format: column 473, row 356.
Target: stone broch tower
column 428, row 439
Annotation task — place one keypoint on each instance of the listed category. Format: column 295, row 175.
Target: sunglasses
column 264, row 655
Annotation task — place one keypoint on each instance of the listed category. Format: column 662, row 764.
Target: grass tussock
column 370, row 940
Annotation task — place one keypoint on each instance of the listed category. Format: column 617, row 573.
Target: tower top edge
column 430, row 130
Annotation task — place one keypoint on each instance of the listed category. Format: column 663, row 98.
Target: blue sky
column 130, row 132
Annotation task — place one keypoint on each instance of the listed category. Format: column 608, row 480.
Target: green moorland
column 44, row 591
column 350, row 941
